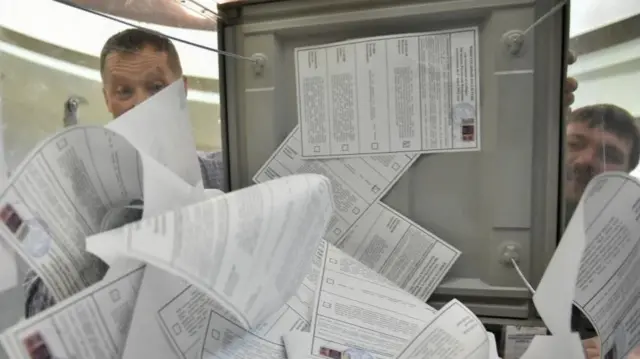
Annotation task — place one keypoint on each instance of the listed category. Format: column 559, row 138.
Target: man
column 135, row 64
column 600, row 138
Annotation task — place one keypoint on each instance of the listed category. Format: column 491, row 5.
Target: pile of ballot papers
column 307, row 263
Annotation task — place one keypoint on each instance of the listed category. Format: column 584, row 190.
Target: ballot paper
column 160, row 128
column 224, row 338
column 60, row 194
column 403, row 252
column 414, row 92
column 174, row 315
column 603, row 233
column 518, row 338
column 439, row 343
column 91, row 324
column 362, row 226
column 357, row 183
column 455, row 333
column 357, row 309
column 72, row 185
column 160, row 291
column 297, row 345
column 251, row 259
column 564, row 346
column 493, row 347
column 608, row 284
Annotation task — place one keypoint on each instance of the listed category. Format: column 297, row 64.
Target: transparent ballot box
column 494, row 203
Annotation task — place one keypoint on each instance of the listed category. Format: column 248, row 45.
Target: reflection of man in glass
column 135, row 64
column 599, row 138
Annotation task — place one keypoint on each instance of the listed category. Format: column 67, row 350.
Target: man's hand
column 635, row 353
column 571, row 84
column 592, row 348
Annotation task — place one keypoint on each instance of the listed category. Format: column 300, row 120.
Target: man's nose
column 588, row 157
column 141, row 95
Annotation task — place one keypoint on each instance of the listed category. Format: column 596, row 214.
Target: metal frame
column 287, row 17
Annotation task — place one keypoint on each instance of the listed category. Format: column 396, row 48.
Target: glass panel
column 53, row 77
column 602, row 126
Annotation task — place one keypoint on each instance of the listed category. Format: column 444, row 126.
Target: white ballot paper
column 188, row 308
column 92, row 324
column 174, row 315
column 297, row 345
column 362, row 226
column 296, row 342
column 225, row 339
column 60, row 194
column 160, row 128
column 358, row 309
column 564, row 346
column 159, row 289
column 390, row 94
column 518, row 338
column 455, row 333
column 249, row 250
column 403, row 252
column 603, row 232
column 493, row 347
column 357, row 183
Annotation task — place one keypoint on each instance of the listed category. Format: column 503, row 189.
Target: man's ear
column 186, row 85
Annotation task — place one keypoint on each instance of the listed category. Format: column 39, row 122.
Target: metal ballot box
column 498, row 203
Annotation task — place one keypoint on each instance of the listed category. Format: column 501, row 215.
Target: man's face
column 132, row 77
column 591, row 151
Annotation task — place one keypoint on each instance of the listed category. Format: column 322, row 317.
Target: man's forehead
column 146, row 58
column 596, row 133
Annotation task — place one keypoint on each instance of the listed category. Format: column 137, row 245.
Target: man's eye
column 123, row 92
column 575, row 145
column 158, row 86
column 613, row 158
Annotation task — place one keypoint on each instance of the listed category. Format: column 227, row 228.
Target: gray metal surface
column 477, row 201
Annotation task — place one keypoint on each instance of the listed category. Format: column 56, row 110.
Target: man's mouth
column 580, row 176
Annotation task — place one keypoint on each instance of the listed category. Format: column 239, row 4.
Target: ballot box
column 498, row 201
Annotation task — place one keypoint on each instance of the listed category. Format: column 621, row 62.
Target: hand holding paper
column 596, row 266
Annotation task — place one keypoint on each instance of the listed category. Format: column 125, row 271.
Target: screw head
column 514, row 42
column 509, row 251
